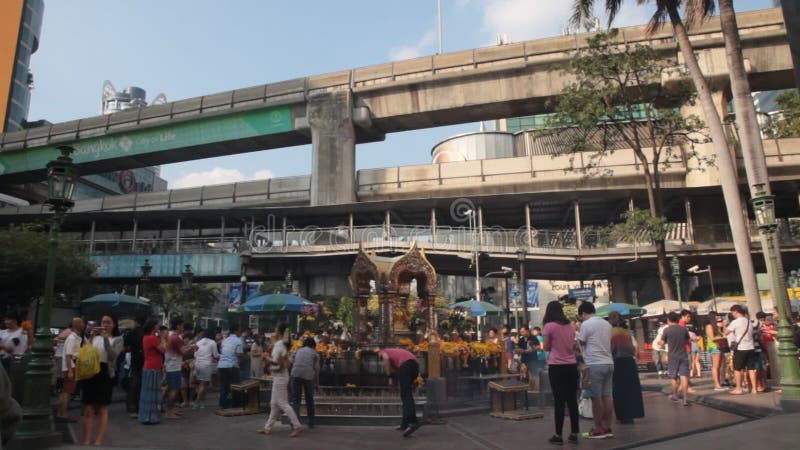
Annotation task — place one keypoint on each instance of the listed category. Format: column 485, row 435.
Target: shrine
column 392, row 278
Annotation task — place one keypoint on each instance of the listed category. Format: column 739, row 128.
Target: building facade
column 20, row 26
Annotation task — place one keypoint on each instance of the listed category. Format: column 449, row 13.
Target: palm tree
column 668, row 10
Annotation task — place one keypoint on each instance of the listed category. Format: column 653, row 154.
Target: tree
column 23, row 263
column 173, row 300
column 668, row 10
column 606, row 109
column 787, row 125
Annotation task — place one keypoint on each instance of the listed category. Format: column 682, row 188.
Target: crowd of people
column 742, row 349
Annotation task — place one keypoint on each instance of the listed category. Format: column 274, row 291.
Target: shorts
column 174, row 380
column 744, row 360
column 69, row 385
column 678, row 367
column 602, row 376
column 203, row 372
column 713, row 351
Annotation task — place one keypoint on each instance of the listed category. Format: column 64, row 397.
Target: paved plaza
column 205, row 430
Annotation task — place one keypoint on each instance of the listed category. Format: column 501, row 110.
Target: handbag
column 735, row 345
column 585, row 408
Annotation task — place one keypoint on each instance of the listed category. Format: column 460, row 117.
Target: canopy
column 476, row 308
column 119, row 304
column 663, row 307
column 276, row 303
column 723, row 305
column 624, row 309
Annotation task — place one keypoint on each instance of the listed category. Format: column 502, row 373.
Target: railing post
column 480, row 227
column 133, row 237
column 433, row 227
column 689, row 223
column 528, row 231
column 178, row 237
column 222, row 232
column 91, row 238
column 578, row 230
column 350, row 227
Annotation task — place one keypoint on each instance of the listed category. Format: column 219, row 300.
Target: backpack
column 88, row 363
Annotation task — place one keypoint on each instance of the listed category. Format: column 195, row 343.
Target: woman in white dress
column 204, row 357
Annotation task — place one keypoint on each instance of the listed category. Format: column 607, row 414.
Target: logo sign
column 582, row 293
column 533, row 294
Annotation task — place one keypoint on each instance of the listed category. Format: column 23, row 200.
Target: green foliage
column 617, row 101
column 23, row 266
column 198, row 301
column 345, row 311
column 272, row 287
column 637, row 226
column 787, row 124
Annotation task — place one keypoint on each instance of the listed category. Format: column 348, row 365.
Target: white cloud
column 217, row 175
column 524, row 19
column 407, row 52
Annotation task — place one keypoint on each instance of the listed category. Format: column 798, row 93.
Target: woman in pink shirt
column 559, row 340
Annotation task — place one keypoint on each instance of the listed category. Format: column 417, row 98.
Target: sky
column 189, row 48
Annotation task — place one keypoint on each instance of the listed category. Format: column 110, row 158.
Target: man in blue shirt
column 228, row 367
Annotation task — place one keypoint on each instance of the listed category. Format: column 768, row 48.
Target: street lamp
column 696, row 270
column 521, row 256
column 676, row 272
column 515, row 290
column 37, row 426
column 764, row 209
column 244, row 258
column 146, row 268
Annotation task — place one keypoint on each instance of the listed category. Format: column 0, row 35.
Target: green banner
column 186, row 134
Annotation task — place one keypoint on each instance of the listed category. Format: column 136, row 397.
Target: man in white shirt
column 740, row 331
column 595, row 337
column 228, row 367
column 660, row 351
column 72, row 345
column 13, row 340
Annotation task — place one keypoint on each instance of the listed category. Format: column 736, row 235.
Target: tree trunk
column 661, row 249
column 724, row 162
column 755, row 162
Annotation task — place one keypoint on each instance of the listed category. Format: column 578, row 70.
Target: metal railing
column 444, row 238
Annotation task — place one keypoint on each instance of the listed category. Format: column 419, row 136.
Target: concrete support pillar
column 222, row 231
column 333, row 141
column 578, row 230
column 284, row 234
column 689, row 224
column 619, row 289
column 387, row 225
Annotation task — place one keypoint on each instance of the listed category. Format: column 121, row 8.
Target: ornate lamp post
column 524, row 285
column 676, row 272
column 146, row 268
column 37, row 420
column 187, row 277
column 764, row 209
column 515, row 289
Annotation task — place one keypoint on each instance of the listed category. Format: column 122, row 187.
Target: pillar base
column 790, row 398
column 30, row 441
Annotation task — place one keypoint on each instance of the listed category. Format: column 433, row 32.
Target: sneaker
column 609, row 433
column 595, row 434
column 410, row 430
column 556, row 440
column 201, row 406
column 573, row 438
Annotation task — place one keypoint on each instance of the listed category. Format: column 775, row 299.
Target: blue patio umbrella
column 625, row 309
column 275, row 303
column 120, row 304
column 476, row 308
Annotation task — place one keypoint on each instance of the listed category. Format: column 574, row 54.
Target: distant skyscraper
column 20, row 25
column 776, row 2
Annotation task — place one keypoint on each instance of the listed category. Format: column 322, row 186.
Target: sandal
column 296, row 432
column 264, row 431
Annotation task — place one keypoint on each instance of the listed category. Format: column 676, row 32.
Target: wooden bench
column 250, row 392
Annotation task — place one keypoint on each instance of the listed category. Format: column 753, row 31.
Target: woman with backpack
column 97, row 390
column 154, row 347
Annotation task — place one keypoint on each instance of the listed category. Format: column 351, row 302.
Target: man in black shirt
column 133, row 345
column 676, row 338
